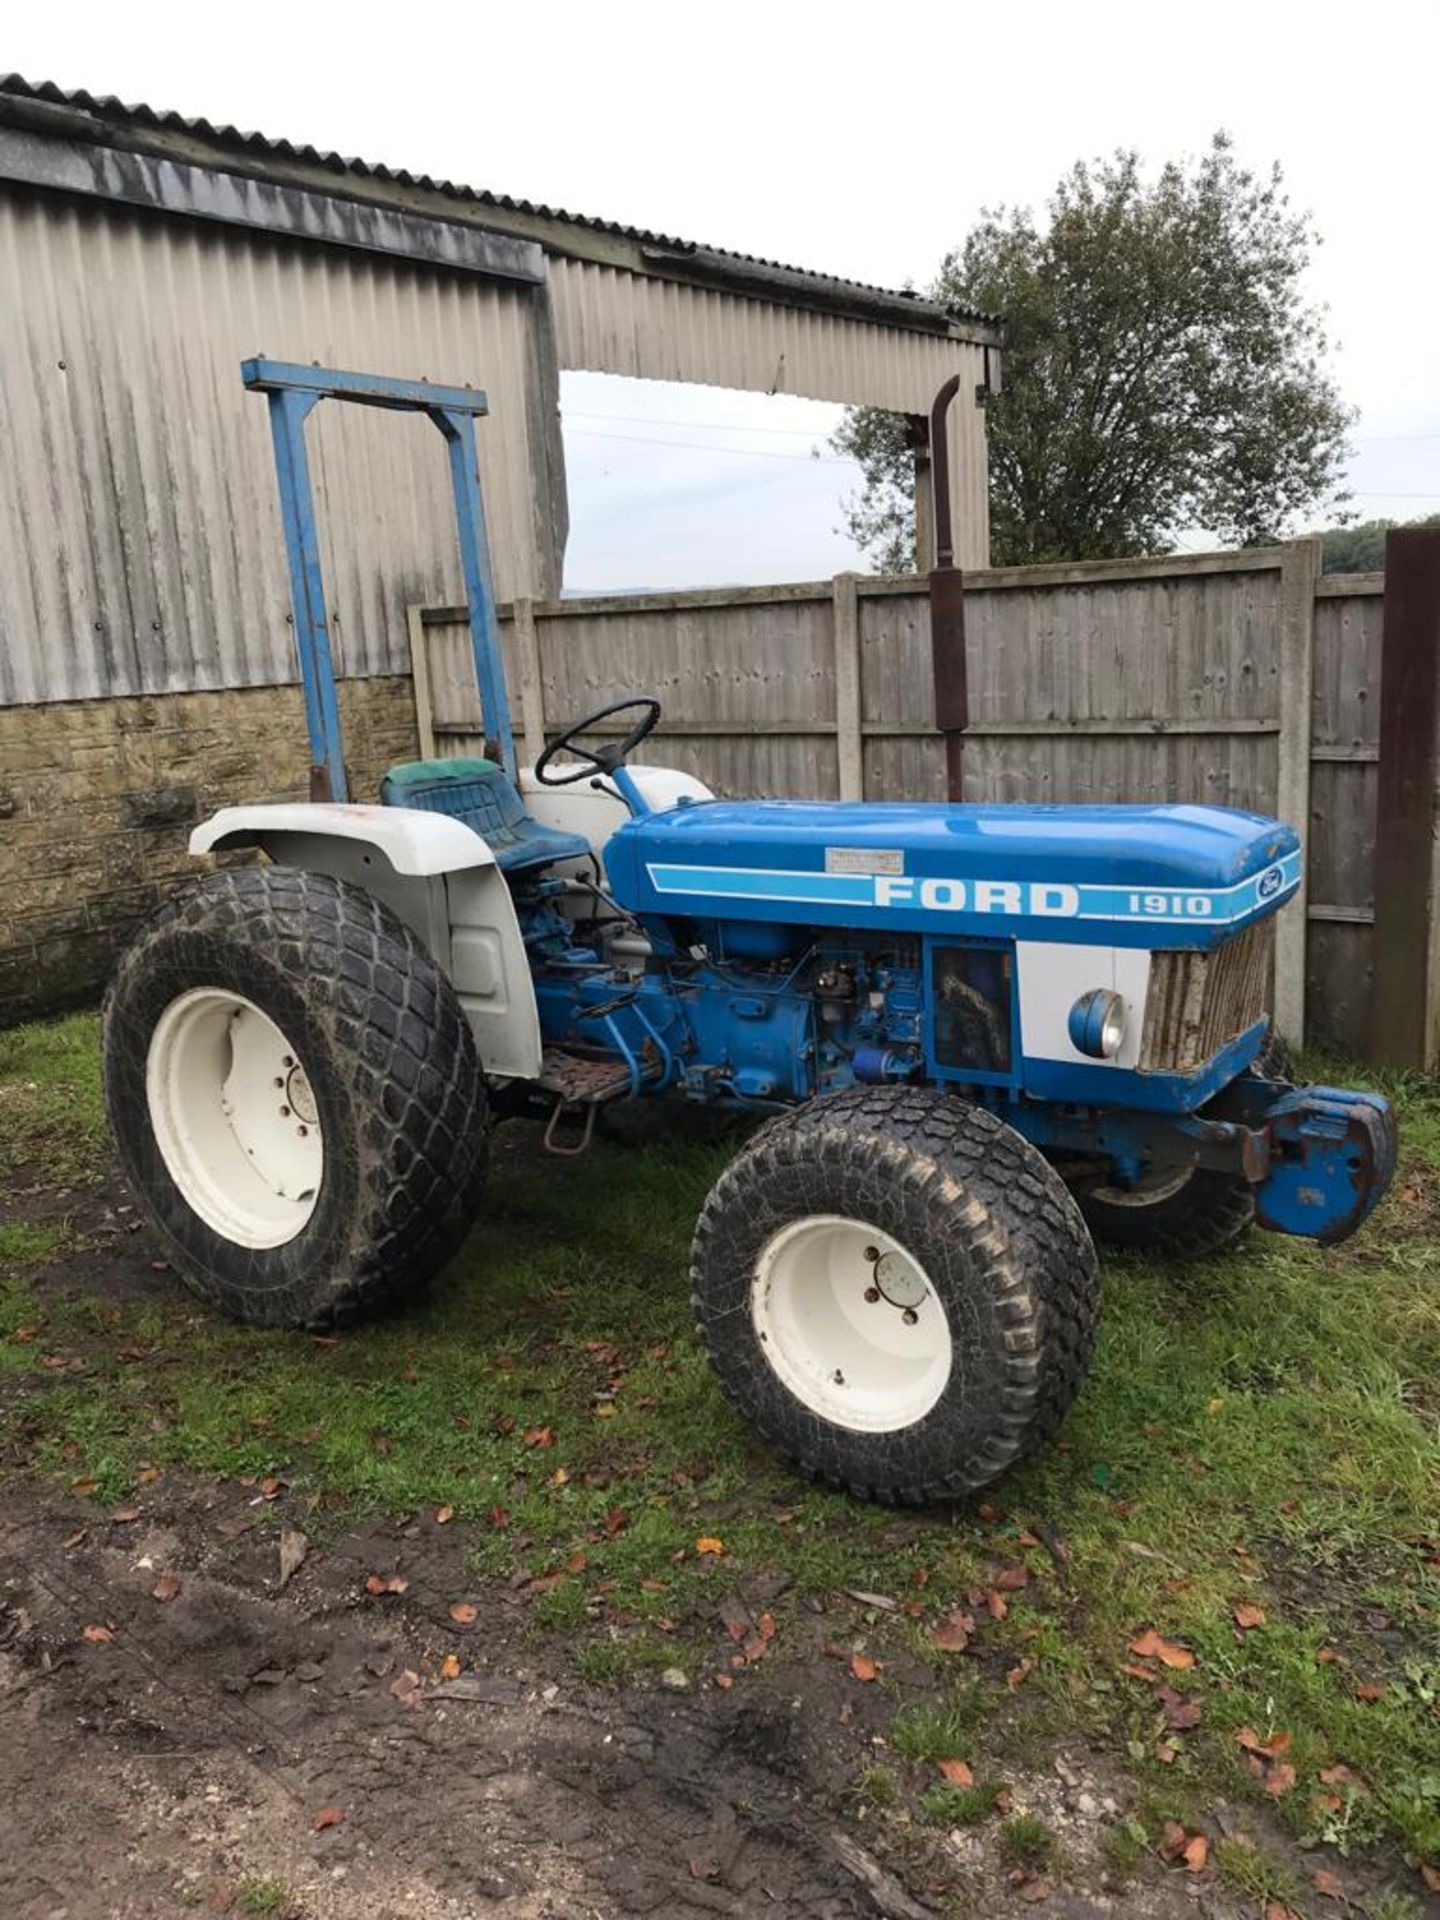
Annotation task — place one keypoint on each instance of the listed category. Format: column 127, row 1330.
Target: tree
column 1162, row 369
column 1361, row 549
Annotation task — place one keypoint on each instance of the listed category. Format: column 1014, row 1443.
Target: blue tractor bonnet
column 1151, row 876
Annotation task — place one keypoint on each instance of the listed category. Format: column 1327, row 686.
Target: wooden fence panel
column 1235, row 680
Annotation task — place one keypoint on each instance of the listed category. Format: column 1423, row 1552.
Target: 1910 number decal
column 1173, row 906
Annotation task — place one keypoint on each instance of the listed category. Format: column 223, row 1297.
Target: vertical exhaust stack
column 947, row 603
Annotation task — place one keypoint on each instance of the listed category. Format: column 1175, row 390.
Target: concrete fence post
column 532, row 686
column 1406, row 1019
column 849, row 741
column 1299, row 571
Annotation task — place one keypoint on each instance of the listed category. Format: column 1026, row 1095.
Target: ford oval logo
column 1270, row 883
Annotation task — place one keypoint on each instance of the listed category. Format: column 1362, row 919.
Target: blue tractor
column 977, row 1036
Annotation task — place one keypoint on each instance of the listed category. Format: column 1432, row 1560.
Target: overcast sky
column 857, row 139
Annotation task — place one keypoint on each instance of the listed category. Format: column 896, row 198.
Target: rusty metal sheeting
column 138, row 518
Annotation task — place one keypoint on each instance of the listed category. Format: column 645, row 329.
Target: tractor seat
column 483, row 797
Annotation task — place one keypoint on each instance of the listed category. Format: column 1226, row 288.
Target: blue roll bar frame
column 293, row 393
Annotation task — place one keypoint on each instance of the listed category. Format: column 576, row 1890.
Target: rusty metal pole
column 1406, row 1011
column 947, row 604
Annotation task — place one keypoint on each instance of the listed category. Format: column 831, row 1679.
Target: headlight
column 1097, row 1023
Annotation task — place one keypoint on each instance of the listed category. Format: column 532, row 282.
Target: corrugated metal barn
column 145, row 255
column 147, row 671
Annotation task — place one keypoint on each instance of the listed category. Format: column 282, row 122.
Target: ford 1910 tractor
column 977, row 1036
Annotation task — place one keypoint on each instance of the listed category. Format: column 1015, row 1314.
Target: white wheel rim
column 234, row 1117
column 850, row 1323
column 1148, row 1192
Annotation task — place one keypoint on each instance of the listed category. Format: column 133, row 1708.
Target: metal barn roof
column 52, row 108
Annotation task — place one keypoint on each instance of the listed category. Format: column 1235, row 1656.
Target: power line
column 718, row 426
column 699, row 446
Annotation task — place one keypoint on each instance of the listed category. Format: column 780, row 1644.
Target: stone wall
column 97, row 799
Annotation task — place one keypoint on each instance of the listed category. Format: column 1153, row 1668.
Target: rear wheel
column 1182, row 1213
column 897, row 1291
column 295, row 1096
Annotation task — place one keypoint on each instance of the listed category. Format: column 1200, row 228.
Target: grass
column 1258, row 1429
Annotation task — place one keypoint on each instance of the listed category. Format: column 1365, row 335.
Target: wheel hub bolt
column 872, row 1254
column 909, row 1316
column 872, row 1294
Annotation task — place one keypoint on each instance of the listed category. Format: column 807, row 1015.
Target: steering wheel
column 606, row 759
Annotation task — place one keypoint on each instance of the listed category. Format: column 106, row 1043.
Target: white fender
column 412, row 841
column 437, row 876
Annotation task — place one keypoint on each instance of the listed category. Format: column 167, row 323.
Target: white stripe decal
column 1037, row 899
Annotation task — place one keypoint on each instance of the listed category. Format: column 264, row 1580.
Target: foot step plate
column 582, row 1082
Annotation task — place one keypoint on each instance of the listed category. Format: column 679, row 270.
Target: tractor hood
column 1151, row 876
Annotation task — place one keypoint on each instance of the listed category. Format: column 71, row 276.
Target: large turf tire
column 995, row 1238
column 394, row 1087
column 1188, row 1218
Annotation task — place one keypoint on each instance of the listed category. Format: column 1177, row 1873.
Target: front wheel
column 897, row 1292
column 295, row 1096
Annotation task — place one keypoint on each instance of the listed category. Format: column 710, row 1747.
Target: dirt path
column 182, row 1763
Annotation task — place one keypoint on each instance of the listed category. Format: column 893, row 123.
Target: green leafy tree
column 1361, row 549
column 1162, row 369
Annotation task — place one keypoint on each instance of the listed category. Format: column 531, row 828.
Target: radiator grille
column 1198, row 1001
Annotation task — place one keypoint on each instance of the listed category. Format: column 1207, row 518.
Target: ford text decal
column 1016, row 899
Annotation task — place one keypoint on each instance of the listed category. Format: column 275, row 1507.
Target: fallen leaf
column 539, row 1437
column 1326, row 1656
column 166, row 1587
column 1151, row 1646
column 577, row 1562
column 464, row 1612
column 374, row 1583
column 122, row 1516
column 997, row 1605
column 882, row 1602
column 559, row 1478
column 271, row 1485
column 75, row 1540
column 702, row 1867
column 1182, row 1714
column 724, row 1681
column 84, row 1487
column 1034, row 1890
column 147, row 1476
column 863, row 1667
column 708, row 1544
column 328, row 1817
column 957, row 1773
column 952, row 1635
column 1324, row 1881
column 1248, row 1615
column 1172, row 1840
column 1431, row 1877
column 1012, row 1579
column 234, row 1526
column 988, row 1513
column 498, row 1517
column 1196, row 1853
column 1138, row 1671
column 294, row 1545
column 1277, row 1910
column 1280, row 1779
column 444, row 1515
column 408, row 1689
column 450, row 1667
column 1342, row 1776
column 616, row 1520
column 1018, row 1675
column 1270, row 1749
column 1368, row 1690
column 98, row 1635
